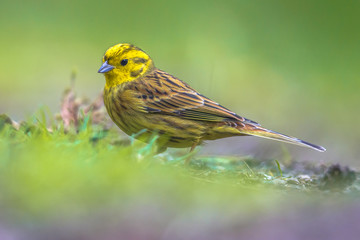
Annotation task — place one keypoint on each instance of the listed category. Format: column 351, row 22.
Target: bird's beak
column 105, row 67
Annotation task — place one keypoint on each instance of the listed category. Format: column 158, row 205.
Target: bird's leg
column 160, row 149
column 188, row 159
column 193, row 146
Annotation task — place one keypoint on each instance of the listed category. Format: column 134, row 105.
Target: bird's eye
column 124, row 62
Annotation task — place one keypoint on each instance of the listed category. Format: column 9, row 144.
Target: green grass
column 49, row 170
column 57, row 177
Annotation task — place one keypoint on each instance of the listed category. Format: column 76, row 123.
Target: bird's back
column 167, row 106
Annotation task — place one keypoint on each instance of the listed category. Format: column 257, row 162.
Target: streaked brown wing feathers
column 168, row 95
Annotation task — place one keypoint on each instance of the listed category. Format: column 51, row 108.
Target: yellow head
column 124, row 63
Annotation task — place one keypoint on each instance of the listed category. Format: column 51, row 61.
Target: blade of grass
column 279, row 168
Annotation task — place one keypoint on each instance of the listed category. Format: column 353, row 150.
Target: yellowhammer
column 140, row 97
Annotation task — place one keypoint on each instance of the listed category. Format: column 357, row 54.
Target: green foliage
column 89, row 177
column 47, row 172
column 278, row 165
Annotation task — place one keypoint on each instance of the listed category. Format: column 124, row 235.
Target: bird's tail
column 255, row 130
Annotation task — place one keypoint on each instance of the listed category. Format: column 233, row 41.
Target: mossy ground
column 72, row 181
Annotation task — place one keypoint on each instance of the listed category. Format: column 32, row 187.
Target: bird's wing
column 162, row 93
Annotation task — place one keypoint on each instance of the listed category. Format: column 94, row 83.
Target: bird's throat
column 113, row 80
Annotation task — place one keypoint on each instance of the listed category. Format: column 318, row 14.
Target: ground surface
column 76, row 177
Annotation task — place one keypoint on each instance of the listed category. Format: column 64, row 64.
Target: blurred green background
column 291, row 65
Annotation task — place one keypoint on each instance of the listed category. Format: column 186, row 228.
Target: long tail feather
column 258, row 131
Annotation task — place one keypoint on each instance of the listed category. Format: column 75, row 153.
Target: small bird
column 143, row 101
